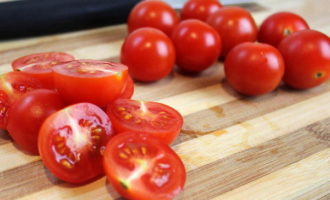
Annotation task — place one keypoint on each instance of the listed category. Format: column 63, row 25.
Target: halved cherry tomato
column 92, row 81
column 152, row 118
column 307, row 59
column 199, row 9
column 128, row 89
column 235, row 25
column 197, row 45
column 141, row 167
column 279, row 25
column 153, row 13
column 254, row 68
column 28, row 113
column 149, row 54
column 72, row 142
column 40, row 65
column 12, row 86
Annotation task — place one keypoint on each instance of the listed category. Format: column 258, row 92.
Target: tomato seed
column 66, row 163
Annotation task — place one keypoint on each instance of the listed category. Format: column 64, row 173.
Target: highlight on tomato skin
column 152, row 118
column 199, row 9
column 39, row 65
column 142, row 167
column 72, row 141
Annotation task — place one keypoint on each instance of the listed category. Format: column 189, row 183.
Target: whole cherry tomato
column 28, row 113
column 199, row 9
column 307, row 59
column 149, row 54
column 197, row 45
column 235, row 25
column 153, row 13
column 279, row 25
column 254, row 68
column 141, row 167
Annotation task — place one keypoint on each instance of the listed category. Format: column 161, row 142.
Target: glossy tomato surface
column 197, row 45
column 307, row 59
column 128, row 90
column 153, row 13
column 149, row 54
column 254, row 68
column 279, row 25
column 141, row 167
column 40, row 65
column 199, row 9
column 12, row 86
column 28, row 113
column 235, row 25
column 92, row 81
column 151, row 118
column 72, row 142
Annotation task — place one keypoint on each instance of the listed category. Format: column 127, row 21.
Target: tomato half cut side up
column 152, row 118
column 12, row 86
column 72, row 142
column 40, row 65
column 92, row 81
column 141, row 167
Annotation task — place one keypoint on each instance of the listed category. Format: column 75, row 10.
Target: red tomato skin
column 197, row 45
column 43, row 74
column 141, row 189
column 254, row 68
column 149, row 54
column 128, row 90
column 12, row 86
column 199, row 9
column 307, row 59
column 235, row 25
column 279, row 25
column 89, row 166
column 153, row 13
column 28, row 113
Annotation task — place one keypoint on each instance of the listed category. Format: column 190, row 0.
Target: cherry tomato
column 199, row 9
column 28, row 113
column 40, row 65
column 235, row 25
column 153, row 13
column 152, row 118
column 197, row 45
column 279, row 25
column 149, row 54
column 141, row 167
column 72, row 142
column 12, row 86
column 128, row 89
column 254, row 68
column 90, row 81
column 307, row 59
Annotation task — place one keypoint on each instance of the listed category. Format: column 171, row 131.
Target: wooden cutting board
column 272, row 147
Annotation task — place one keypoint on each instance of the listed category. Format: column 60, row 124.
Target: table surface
column 273, row 147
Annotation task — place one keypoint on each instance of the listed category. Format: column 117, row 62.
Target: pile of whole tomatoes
column 78, row 115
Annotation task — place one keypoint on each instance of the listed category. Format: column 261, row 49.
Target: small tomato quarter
column 279, row 25
column 153, row 13
column 254, row 68
column 92, row 81
column 28, row 113
column 152, row 118
column 197, row 45
column 72, row 142
column 141, row 167
column 307, row 59
column 149, row 54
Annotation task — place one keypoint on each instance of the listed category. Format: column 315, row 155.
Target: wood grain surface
column 273, row 147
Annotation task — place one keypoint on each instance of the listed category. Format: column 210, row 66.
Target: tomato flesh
column 72, row 142
column 152, row 118
column 40, row 65
column 141, row 167
column 92, row 81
